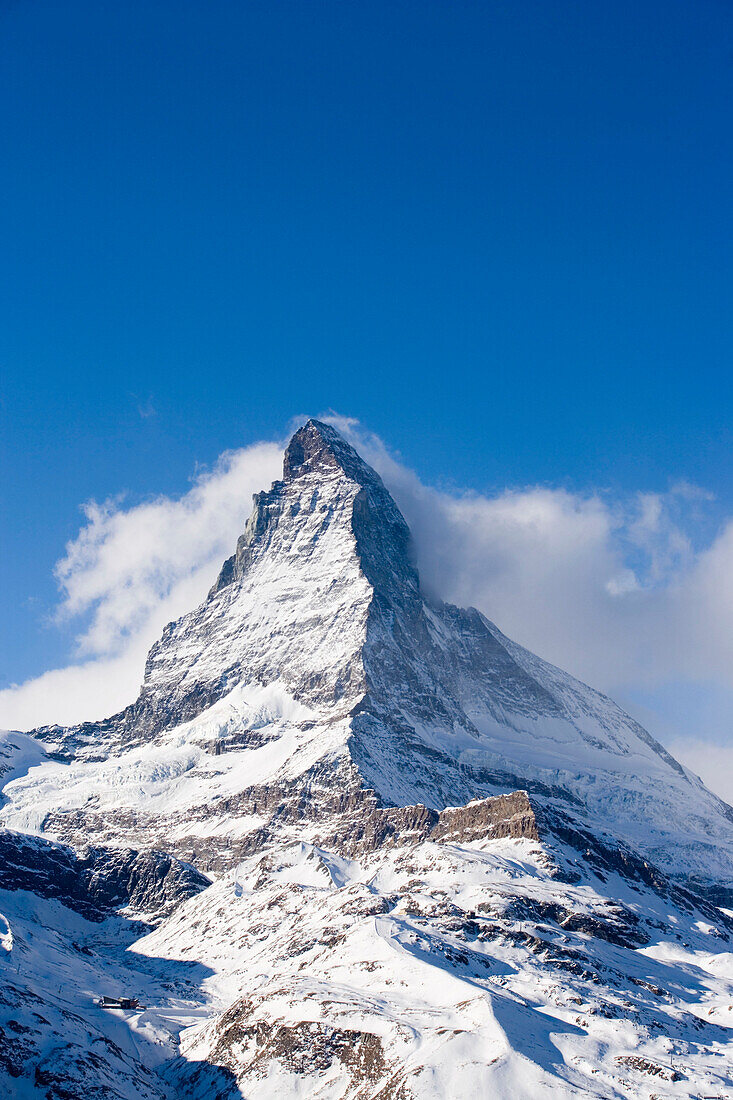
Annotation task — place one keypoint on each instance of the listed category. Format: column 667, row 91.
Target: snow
column 6, row 933
column 18, row 753
column 179, row 770
column 297, row 948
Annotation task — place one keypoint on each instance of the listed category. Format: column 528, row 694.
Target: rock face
column 439, row 865
column 101, row 880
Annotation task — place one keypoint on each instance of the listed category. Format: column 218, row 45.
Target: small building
column 119, row 1002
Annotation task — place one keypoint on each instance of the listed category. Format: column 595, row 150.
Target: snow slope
column 426, row 971
column 452, row 970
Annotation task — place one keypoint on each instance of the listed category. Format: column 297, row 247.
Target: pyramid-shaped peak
column 320, row 447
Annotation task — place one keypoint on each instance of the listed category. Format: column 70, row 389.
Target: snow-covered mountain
column 441, row 866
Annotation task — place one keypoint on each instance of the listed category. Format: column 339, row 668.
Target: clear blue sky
column 500, row 234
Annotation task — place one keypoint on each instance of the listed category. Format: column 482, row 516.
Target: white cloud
column 129, row 571
column 612, row 590
column 627, row 595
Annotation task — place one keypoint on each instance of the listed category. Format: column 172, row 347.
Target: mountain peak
column 320, row 447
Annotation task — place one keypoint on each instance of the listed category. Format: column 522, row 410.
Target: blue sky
column 499, row 235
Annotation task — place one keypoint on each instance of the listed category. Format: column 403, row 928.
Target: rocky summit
column 350, row 841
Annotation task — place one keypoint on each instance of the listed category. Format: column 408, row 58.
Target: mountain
column 440, row 866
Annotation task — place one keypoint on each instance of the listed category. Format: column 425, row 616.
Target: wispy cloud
column 130, row 570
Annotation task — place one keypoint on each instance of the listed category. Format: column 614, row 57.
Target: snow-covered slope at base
column 460, row 968
column 425, row 971
column 444, row 970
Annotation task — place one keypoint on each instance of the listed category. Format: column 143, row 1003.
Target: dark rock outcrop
column 99, row 881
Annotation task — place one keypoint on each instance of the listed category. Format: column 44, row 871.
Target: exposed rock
column 249, row 1047
column 100, row 880
column 508, row 815
column 643, row 1065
